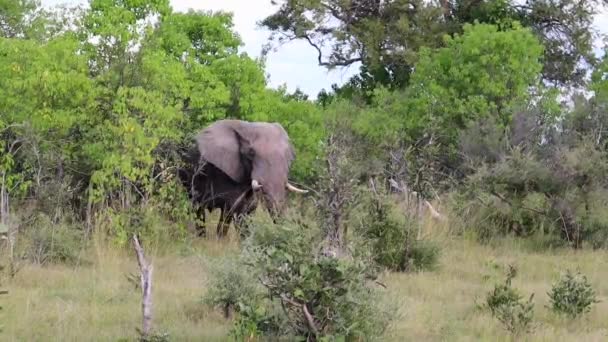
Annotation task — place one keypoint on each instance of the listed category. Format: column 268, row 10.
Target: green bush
column 572, row 295
column 319, row 297
column 45, row 242
column 231, row 286
column 146, row 222
column 393, row 237
column 506, row 304
column 422, row 255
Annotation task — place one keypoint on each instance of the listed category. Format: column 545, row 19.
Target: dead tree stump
column 145, row 269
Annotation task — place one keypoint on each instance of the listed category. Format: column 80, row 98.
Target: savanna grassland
column 461, row 170
column 95, row 301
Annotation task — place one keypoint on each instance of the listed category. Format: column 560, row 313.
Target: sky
column 294, row 64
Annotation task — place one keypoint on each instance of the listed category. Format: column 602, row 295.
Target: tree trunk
column 5, row 224
column 145, row 269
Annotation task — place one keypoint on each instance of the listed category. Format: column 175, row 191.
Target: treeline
column 456, row 99
column 97, row 103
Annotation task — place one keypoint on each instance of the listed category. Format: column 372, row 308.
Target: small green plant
column 393, row 237
column 421, row 255
column 572, row 295
column 507, row 305
column 231, row 286
column 154, row 337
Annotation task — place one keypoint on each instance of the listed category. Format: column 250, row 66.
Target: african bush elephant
column 230, row 162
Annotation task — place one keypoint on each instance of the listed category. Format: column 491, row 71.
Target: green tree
column 16, row 17
column 385, row 37
column 483, row 72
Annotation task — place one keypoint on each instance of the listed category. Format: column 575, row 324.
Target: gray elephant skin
column 233, row 163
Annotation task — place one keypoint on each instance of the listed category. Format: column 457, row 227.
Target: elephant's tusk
column 255, row 185
column 294, row 189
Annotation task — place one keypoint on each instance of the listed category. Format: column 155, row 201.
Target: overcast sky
column 293, row 64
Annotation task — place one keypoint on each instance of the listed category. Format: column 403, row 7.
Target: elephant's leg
column 201, row 229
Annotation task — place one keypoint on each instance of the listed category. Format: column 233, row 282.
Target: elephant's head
column 258, row 153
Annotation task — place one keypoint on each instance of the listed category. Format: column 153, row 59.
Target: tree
column 15, row 17
column 385, row 37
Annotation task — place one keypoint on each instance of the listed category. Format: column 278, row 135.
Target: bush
column 319, row 297
column 506, row 304
column 146, row 222
column 393, row 237
column 46, row 242
column 231, row 287
column 572, row 295
column 421, row 255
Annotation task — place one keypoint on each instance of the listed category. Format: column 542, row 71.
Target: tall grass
column 94, row 300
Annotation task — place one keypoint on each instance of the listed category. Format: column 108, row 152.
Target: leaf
column 298, row 293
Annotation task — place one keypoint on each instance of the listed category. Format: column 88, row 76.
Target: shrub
column 146, row 222
column 319, row 297
column 46, row 242
column 572, row 295
column 231, row 286
column 506, row 304
column 393, row 237
column 421, row 255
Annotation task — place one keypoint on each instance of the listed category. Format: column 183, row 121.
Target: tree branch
column 511, row 204
column 309, row 319
column 343, row 62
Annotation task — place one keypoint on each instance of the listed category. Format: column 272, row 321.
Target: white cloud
column 293, row 64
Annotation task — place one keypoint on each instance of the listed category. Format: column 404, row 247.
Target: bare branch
column 309, row 319
column 344, row 62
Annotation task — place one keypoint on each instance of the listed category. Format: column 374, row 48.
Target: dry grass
column 96, row 302
column 441, row 306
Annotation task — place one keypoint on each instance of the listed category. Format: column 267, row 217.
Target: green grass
column 96, row 302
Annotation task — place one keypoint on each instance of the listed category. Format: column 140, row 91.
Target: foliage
column 418, row 129
column 321, row 296
column 107, row 95
column 480, row 72
column 393, row 235
column 155, row 337
column 364, row 32
column 506, row 304
column 232, row 286
column 386, row 38
column 144, row 221
column 572, row 295
column 47, row 242
column 483, row 72
column 557, row 190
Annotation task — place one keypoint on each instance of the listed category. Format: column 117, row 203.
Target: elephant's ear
column 289, row 151
column 219, row 144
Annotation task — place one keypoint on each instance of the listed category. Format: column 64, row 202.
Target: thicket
column 98, row 102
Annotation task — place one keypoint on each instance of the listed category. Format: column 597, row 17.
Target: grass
column 96, row 302
column 440, row 306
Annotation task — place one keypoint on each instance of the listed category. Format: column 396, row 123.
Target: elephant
column 232, row 165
